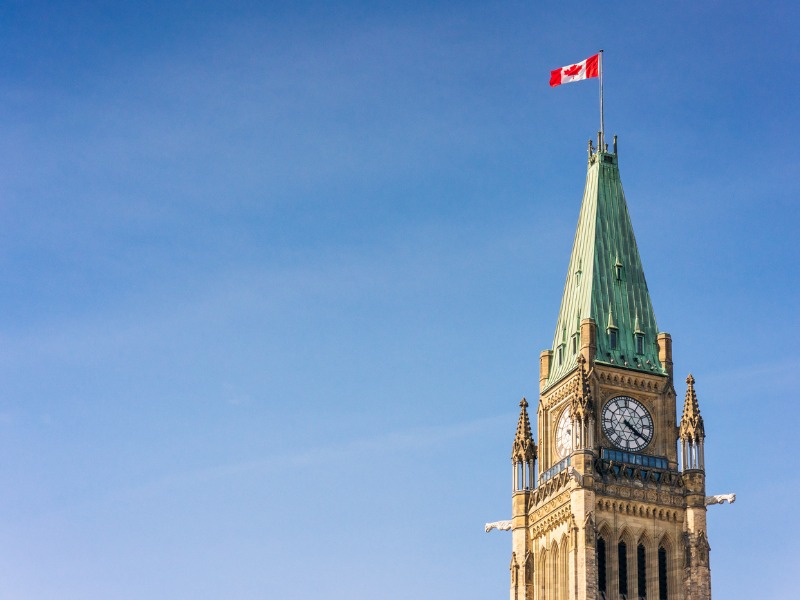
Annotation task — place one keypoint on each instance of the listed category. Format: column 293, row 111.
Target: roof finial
column 591, row 149
column 615, row 145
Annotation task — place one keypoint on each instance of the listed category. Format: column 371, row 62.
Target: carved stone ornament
column 702, row 549
column 551, row 522
column 499, row 525
column 643, row 384
column 542, row 511
column 720, row 499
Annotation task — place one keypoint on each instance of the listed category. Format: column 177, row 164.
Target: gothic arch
column 667, row 567
column 623, row 551
column 625, row 536
column 542, row 573
column 604, row 531
column 552, row 569
column 563, row 577
column 645, row 540
column 644, row 561
column 602, row 547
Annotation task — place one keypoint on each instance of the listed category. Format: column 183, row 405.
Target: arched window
column 601, row 567
column 555, row 576
column 564, row 576
column 542, row 574
column 641, row 572
column 662, row 574
column 622, row 557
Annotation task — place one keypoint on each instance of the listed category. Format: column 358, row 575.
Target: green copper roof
column 605, row 280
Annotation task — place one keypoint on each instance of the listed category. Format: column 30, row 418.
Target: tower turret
column 523, row 452
column 523, row 459
column 692, row 432
column 697, row 570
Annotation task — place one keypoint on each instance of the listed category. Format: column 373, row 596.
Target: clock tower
column 611, row 502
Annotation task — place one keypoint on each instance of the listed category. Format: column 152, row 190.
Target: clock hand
column 633, row 429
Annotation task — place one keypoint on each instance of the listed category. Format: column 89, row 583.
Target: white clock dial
column 627, row 424
column 564, row 435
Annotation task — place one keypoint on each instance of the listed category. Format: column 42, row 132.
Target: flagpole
column 602, row 124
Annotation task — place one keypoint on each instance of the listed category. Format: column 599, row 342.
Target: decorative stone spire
column 692, row 432
column 582, row 405
column 524, row 449
column 581, row 409
column 692, row 423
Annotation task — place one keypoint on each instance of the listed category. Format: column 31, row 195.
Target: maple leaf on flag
column 586, row 69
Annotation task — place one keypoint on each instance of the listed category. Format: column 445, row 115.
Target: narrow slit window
column 560, row 354
column 601, row 567
column 575, row 343
column 641, row 572
column 662, row 574
column 612, row 338
column 622, row 556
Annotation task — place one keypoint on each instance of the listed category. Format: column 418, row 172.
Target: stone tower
column 610, row 513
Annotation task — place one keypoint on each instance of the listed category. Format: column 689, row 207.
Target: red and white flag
column 577, row 72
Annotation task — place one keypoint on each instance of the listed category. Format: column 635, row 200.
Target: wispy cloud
column 380, row 444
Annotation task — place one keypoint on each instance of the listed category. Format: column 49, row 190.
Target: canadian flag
column 577, row 72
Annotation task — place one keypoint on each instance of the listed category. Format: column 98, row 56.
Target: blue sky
column 275, row 277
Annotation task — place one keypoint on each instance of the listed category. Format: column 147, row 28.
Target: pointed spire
column 524, row 449
column 612, row 276
column 691, row 423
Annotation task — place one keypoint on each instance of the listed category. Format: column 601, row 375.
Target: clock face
column 627, row 423
column 564, row 434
